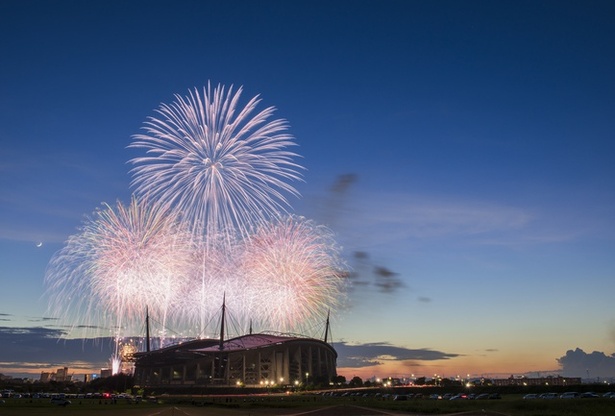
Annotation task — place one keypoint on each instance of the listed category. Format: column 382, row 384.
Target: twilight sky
column 462, row 151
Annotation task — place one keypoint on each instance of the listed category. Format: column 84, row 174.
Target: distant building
column 62, row 375
column 89, row 377
column 392, row 381
column 538, row 381
column 106, row 372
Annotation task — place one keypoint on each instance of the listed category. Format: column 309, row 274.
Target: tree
column 356, row 382
column 118, row 382
column 339, row 380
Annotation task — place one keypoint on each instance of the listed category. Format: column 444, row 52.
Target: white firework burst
column 221, row 167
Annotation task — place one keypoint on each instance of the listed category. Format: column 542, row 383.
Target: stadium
column 253, row 360
column 249, row 360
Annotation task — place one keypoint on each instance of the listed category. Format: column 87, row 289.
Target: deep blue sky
column 481, row 134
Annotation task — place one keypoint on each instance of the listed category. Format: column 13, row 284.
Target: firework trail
column 213, row 273
column 121, row 261
column 294, row 273
column 219, row 166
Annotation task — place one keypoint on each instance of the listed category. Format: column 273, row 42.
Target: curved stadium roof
column 243, row 342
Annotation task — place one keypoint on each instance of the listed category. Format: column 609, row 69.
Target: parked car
column 569, row 395
column 399, row 397
column 59, row 401
column 530, row 397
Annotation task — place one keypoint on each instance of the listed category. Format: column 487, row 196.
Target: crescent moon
column 39, row 244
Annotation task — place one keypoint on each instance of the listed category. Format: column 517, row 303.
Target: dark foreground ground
column 332, row 410
column 512, row 405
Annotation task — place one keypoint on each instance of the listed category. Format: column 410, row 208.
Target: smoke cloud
column 578, row 363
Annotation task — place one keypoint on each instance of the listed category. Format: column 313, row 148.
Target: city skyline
column 461, row 153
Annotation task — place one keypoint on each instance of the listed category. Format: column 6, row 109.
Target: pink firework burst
column 122, row 260
column 293, row 271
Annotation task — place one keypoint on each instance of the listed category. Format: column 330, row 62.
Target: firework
column 219, row 166
column 293, row 273
column 121, row 261
column 116, row 364
column 209, row 223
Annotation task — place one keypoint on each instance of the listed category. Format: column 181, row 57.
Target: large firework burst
column 292, row 271
column 219, row 166
column 122, row 260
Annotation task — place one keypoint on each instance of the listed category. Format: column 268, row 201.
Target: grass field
column 512, row 405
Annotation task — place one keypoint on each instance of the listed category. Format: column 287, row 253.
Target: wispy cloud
column 381, row 219
column 11, row 334
column 39, row 347
column 43, row 319
column 370, row 354
column 396, row 217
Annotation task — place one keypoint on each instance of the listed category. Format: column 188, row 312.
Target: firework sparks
column 121, row 260
column 294, row 272
column 116, row 364
column 219, row 166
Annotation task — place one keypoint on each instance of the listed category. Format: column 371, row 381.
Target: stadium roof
column 251, row 341
column 212, row 346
